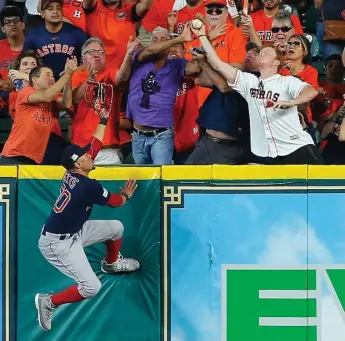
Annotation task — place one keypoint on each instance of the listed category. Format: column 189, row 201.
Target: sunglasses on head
column 284, row 29
column 218, row 11
column 293, row 43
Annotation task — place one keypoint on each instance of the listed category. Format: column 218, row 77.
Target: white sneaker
column 120, row 266
column 45, row 309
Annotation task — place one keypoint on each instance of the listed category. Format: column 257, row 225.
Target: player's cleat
column 121, row 265
column 45, row 309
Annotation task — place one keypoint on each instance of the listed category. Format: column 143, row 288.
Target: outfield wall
column 228, row 253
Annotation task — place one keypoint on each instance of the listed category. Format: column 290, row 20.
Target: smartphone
column 198, row 50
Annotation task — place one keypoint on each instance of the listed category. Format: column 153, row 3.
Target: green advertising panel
column 128, row 306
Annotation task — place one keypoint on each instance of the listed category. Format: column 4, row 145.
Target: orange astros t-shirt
column 7, row 58
column 85, row 120
column 309, row 75
column 113, row 27
column 186, row 14
column 157, row 15
column 263, row 25
column 74, row 13
column 31, row 128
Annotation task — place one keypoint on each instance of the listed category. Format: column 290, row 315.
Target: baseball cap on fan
column 216, row 3
column 71, row 154
column 45, row 3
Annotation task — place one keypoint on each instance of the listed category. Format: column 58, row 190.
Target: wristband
column 126, row 196
column 103, row 121
column 202, row 35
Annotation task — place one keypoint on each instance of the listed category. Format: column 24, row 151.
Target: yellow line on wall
column 8, row 171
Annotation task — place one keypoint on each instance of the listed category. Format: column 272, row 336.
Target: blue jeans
column 156, row 150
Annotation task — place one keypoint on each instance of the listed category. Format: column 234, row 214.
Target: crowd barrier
column 228, row 253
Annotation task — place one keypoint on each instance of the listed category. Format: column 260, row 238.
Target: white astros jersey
column 179, row 4
column 272, row 132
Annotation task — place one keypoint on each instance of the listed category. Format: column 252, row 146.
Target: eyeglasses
column 94, row 52
column 13, row 21
column 284, row 29
column 218, row 11
column 293, row 43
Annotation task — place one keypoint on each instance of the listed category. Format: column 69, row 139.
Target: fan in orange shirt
column 297, row 56
column 35, row 107
column 114, row 22
column 263, row 20
column 85, row 120
column 13, row 26
column 230, row 45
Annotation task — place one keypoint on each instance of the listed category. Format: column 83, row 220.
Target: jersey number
column 63, row 199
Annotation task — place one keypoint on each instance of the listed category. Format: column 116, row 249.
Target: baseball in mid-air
column 197, row 24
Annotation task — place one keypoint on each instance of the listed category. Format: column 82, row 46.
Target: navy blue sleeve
column 28, row 43
column 97, row 194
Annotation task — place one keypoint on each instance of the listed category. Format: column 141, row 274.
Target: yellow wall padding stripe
column 256, row 172
column 187, row 172
column 326, row 172
column 8, row 171
column 100, row 173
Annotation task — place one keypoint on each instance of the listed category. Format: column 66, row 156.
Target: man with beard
column 282, row 30
column 56, row 41
column 263, row 19
column 13, row 26
column 114, row 21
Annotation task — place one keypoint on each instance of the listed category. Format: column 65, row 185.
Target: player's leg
column 110, row 232
column 67, row 256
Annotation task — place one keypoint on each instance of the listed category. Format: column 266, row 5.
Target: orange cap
column 216, row 3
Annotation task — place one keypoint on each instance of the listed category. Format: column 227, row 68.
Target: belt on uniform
column 57, row 235
column 220, row 141
column 153, row 132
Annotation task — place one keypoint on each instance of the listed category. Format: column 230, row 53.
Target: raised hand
column 199, row 31
column 186, row 35
column 91, row 71
column 71, row 66
column 129, row 188
column 132, row 45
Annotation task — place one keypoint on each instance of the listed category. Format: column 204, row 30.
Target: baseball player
column 67, row 230
column 277, row 136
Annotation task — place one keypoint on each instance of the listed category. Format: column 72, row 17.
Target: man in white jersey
column 277, row 136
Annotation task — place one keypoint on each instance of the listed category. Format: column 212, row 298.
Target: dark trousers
column 306, row 155
column 16, row 160
column 209, row 152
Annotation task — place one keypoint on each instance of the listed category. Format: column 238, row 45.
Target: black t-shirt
column 334, row 10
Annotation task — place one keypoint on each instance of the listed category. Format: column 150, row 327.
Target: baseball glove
column 99, row 97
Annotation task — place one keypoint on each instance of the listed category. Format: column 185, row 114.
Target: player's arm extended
column 116, row 200
column 66, row 99
column 97, row 140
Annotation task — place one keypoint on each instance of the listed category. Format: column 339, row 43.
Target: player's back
column 73, row 207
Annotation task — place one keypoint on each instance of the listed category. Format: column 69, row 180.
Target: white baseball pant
column 68, row 255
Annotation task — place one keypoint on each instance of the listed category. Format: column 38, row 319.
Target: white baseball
column 197, row 24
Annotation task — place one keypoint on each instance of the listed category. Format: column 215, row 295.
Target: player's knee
column 117, row 228
column 91, row 288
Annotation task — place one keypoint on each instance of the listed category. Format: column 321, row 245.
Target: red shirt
column 186, row 14
column 113, row 27
column 185, row 114
column 263, row 25
column 7, row 58
column 74, row 13
column 309, row 75
column 157, row 15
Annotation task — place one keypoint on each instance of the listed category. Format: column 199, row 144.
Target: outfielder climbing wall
column 128, row 306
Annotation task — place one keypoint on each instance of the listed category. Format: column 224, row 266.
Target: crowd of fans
column 178, row 95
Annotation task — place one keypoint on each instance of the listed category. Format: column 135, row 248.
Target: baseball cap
column 45, row 3
column 216, row 3
column 11, row 11
column 250, row 45
column 71, row 154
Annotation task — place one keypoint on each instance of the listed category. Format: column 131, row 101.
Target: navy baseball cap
column 71, row 154
column 45, row 3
